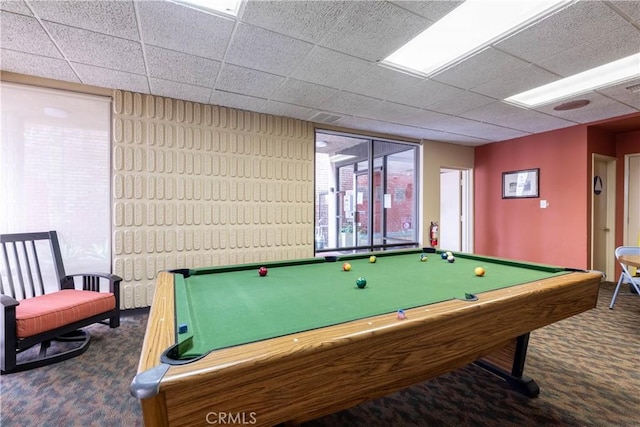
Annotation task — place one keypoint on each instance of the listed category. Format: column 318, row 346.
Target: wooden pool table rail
column 309, row 374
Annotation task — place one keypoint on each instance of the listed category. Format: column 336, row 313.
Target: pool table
column 226, row 344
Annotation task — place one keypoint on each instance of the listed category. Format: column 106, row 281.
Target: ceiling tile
column 486, row 65
column 17, row 6
column 424, row 94
column 596, row 52
column 373, row 30
column 464, row 101
column 233, row 100
column 383, row 83
column 115, row 18
column 630, row 9
column 248, row 82
column 264, row 50
column 102, row 77
column 177, row 90
column 562, row 31
column 181, row 67
column 433, row 10
column 396, row 113
column 358, row 123
column 287, row 110
column 621, row 94
column 304, row 20
column 330, row 68
column 303, row 93
column 350, row 103
column 510, row 116
column 510, row 84
column 98, row 49
column 463, row 126
column 600, row 108
column 439, row 136
column 25, row 34
column 34, row 65
column 184, row 29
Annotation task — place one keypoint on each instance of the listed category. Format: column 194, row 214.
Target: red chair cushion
column 51, row 311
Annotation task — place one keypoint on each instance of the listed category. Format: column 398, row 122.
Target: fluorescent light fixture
column 340, row 157
column 596, row 78
column 467, row 29
column 230, row 7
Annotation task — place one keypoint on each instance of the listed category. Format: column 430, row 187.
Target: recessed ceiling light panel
column 468, row 28
column 229, row 7
column 610, row 74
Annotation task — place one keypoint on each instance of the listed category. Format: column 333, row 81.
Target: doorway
column 365, row 193
column 456, row 229
column 632, row 201
column 603, row 214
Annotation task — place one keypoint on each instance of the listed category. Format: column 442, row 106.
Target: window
column 55, row 171
column 365, row 193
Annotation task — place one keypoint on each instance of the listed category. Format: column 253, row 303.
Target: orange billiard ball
column 346, row 266
column 479, row 271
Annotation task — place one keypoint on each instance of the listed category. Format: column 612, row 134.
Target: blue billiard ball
column 443, row 255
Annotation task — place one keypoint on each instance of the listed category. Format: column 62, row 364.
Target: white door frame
column 466, row 207
column 467, row 210
column 625, row 222
column 610, row 191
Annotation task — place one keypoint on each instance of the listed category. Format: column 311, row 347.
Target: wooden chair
column 36, row 311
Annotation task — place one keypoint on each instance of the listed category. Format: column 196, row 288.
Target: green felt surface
column 231, row 306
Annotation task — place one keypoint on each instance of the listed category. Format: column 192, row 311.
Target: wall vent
column 634, row 88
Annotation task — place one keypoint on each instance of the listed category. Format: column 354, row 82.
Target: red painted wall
column 519, row 228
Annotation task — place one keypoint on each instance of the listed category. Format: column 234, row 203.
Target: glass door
column 365, row 198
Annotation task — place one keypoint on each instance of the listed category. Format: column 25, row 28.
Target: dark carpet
column 587, row 367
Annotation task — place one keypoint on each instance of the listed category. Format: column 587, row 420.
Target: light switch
column 543, row 204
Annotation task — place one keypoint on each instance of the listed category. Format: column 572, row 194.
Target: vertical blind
column 55, row 169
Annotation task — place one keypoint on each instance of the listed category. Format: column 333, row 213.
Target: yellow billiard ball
column 479, row 271
column 346, row 266
column 372, row 259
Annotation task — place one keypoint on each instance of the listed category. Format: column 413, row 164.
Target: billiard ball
column 346, row 266
column 479, row 271
column 262, row 271
column 361, row 282
column 372, row 259
column 443, row 255
column 423, row 257
column 449, row 253
column 451, row 258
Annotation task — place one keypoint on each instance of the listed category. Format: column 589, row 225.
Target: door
column 450, row 210
column 632, row 202
column 362, row 208
column 603, row 204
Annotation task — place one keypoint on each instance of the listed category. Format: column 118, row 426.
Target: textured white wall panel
column 200, row 185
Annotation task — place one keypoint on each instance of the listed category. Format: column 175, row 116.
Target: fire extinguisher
column 433, row 234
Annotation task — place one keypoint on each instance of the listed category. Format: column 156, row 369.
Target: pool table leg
column 513, row 374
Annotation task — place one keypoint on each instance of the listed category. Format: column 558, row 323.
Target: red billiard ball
column 263, row 271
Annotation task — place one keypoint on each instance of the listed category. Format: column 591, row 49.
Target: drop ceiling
column 319, row 61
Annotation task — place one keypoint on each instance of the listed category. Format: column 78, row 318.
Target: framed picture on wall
column 520, row 184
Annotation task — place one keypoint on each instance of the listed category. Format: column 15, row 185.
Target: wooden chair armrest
column 7, row 301
column 93, row 278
